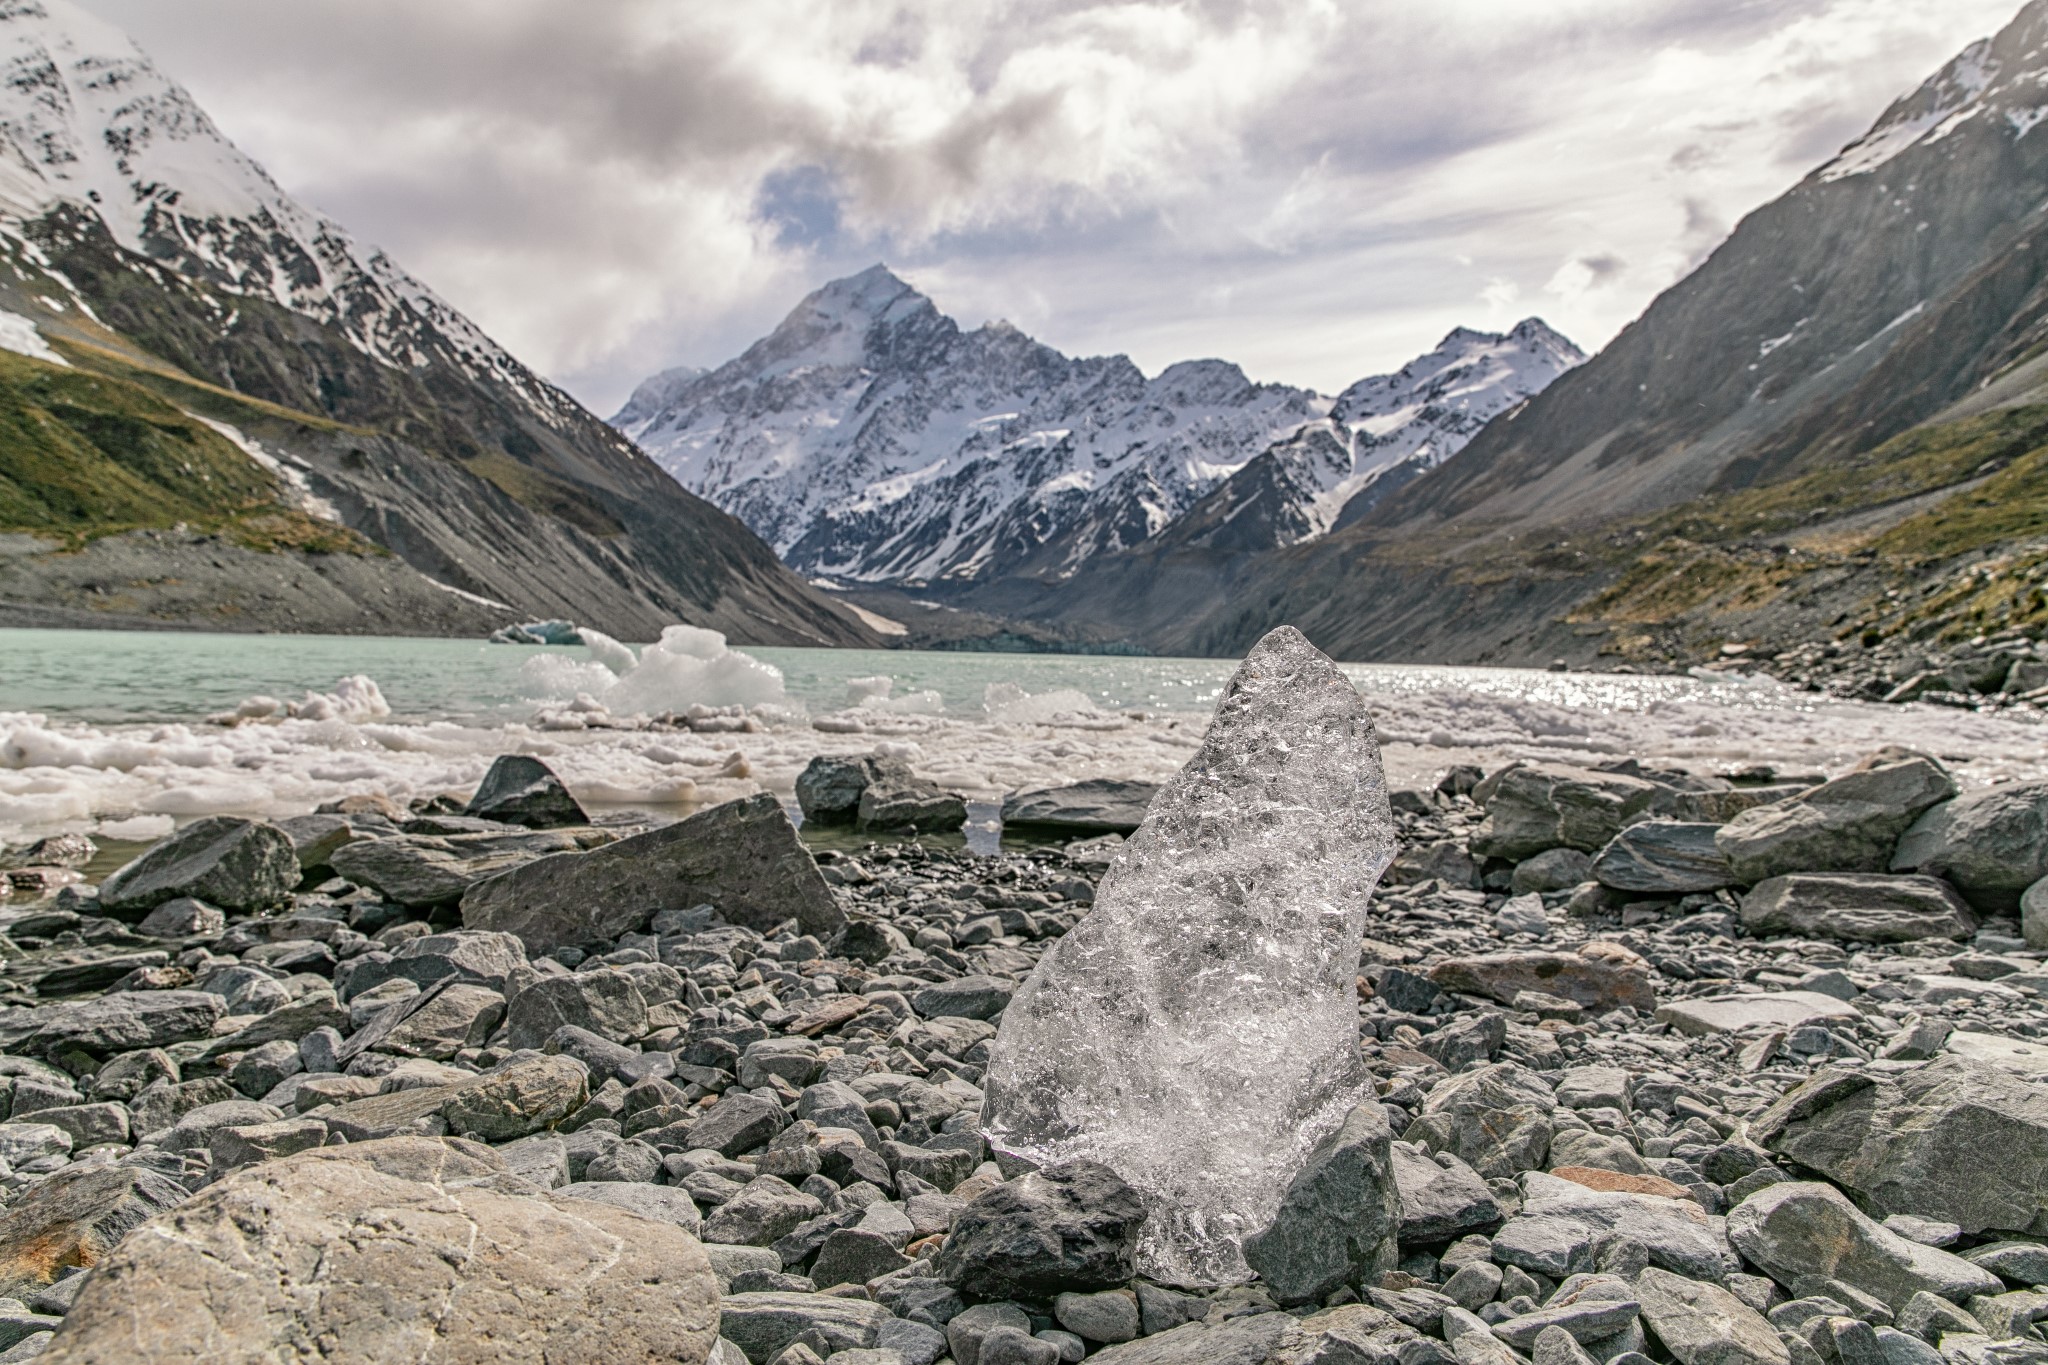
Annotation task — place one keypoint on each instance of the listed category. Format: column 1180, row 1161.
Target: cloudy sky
column 1316, row 189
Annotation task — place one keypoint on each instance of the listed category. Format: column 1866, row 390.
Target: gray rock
column 1015, row 1346
column 427, row 871
column 1106, row 1317
column 279, row 1255
column 964, row 997
column 1703, row 1324
column 2018, row 1262
column 828, row 790
column 663, row 1203
column 1556, row 869
column 435, row 1023
column 518, row 1099
column 72, row 1219
column 737, row 1123
column 1704, row 1015
column 1600, row 981
column 1339, row 1220
column 2034, row 915
column 763, row 1212
column 1562, row 1226
column 1071, row 1228
column 183, row 917
column 1950, row 1139
column 1098, row 806
column 122, row 1021
column 1992, row 844
column 855, row 1256
column 1586, row 1319
column 762, row 1325
column 472, row 955
column 605, row 1002
column 1593, row 1087
column 241, row 865
column 521, row 790
column 1664, row 857
column 967, row 1330
column 1861, row 907
column 1440, row 1197
column 1473, row 1038
column 1847, row 825
column 542, row 1160
column 1533, row 807
column 1800, row 1229
column 914, row 1343
column 1496, row 1120
column 743, row 857
column 316, row 839
column 1259, row 1339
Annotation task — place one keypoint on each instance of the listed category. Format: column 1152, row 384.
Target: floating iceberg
column 1197, row 1032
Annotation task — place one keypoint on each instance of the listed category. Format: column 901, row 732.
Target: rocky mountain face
column 1834, row 432
column 150, row 252
column 869, row 438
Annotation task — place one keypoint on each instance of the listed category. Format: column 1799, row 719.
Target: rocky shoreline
column 1702, row 1068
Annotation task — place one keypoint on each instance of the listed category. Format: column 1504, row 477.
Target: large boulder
column 1531, row 807
column 1339, row 1220
column 1992, row 844
column 521, row 790
column 122, row 1021
column 1848, row 825
column 762, row 1325
column 1442, row 1198
column 1665, row 858
column 1701, row 1323
column 425, row 871
column 1862, row 907
column 742, row 857
column 1600, row 976
column 1103, row 805
column 875, row 792
column 241, row 865
column 72, row 1219
column 404, row 1253
column 604, row 1001
column 1802, row 1233
column 1068, row 1228
column 1950, row 1139
column 1496, row 1120
column 1563, row 1227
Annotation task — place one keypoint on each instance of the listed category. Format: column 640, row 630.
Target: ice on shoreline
column 748, row 731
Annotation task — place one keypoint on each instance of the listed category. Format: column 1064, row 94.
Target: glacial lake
column 124, row 733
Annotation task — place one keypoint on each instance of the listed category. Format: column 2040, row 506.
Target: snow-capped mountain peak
column 870, row 439
column 87, row 120
column 2003, row 78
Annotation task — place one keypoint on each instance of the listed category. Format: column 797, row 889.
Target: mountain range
column 873, row 441
column 1834, row 429
column 222, row 409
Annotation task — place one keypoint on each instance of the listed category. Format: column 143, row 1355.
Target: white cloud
column 1315, row 188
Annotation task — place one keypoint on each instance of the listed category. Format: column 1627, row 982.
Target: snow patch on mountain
column 87, row 120
column 870, row 439
column 1976, row 83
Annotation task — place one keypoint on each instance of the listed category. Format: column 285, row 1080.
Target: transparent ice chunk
column 1197, row 1031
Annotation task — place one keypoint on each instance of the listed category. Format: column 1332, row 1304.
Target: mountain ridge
column 872, row 440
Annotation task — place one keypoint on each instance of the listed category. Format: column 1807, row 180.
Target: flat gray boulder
column 1531, row 807
column 742, row 857
column 240, row 865
column 278, row 1261
column 1860, row 907
column 1664, row 857
column 1951, row 1139
column 428, row 870
column 1562, row 1226
column 1847, row 825
column 1802, row 1232
column 1992, row 844
column 1771, row 1009
column 1103, row 805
